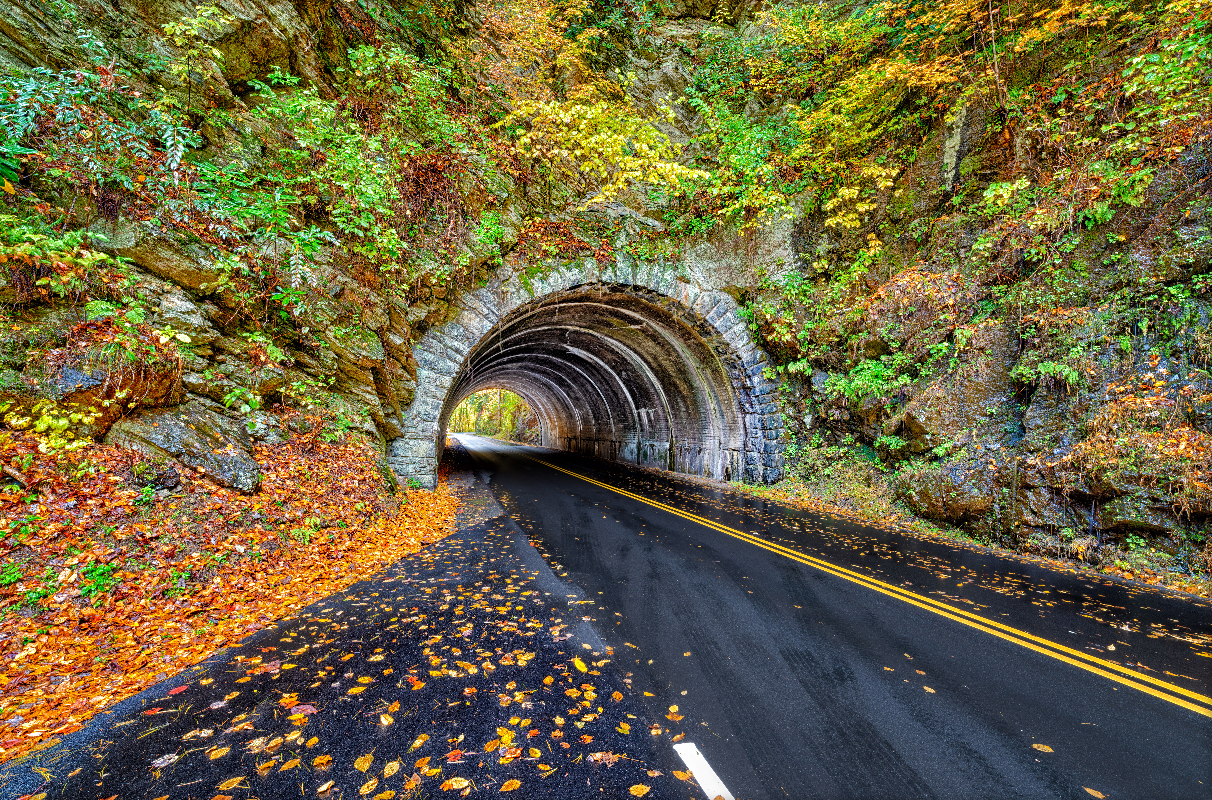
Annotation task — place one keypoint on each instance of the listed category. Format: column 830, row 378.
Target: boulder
column 958, row 491
column 974, row 400
column 194, row 436
column 1138, row 513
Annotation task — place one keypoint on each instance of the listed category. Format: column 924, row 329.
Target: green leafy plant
column 98, row 579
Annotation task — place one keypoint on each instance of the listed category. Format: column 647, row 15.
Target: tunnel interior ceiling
column 619, row 376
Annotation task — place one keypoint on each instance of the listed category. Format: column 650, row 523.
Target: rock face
column 196, row 437
column 967, row 404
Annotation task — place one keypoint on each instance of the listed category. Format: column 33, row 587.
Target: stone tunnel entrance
column 652, row 371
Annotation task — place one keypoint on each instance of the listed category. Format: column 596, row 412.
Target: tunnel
column 614, row 370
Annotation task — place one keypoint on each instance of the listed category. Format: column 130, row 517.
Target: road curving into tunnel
column 813, row 657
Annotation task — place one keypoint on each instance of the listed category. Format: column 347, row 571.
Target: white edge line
column 708, row 781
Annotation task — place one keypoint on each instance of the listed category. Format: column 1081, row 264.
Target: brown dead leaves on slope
column 107, row 590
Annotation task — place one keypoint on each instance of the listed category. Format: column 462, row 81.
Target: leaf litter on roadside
column 456, row 646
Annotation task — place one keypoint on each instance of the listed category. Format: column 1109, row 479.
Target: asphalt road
column 825, row 659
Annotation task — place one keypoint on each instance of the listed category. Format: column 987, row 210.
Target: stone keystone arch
column 629, row 363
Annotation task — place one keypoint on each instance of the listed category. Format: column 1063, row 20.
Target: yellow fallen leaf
column 218, row 752
column 681, row 776
column 321, row 762
column 394, row 707
column 356, row 690
column 363, row 763
column 418, row 685
column 455, row 783
column 8, row 188
column 510, row 785
column 673, row 709
column 1093, row 792
column 392, row 768
column 324, row 787
column 366, row 680
column 639, row 790
column 623, row 728
column 617, row 696
column 387, row 795
column 294, row 762
column 1043, row 748
column 386, row 719
column 369, row 786
column 580, row 665
column 928, row 689
column 423, row 763
column 231, row 783
column 312, row 742
column 534, row 752
column 492, row 746
column 417, row 742
column 548, row 680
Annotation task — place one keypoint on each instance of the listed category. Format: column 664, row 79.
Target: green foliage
column 10, row 574
column 191, row 35
column 98, row 579
column 874, row 378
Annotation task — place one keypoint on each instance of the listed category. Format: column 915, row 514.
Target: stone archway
column 634, row 364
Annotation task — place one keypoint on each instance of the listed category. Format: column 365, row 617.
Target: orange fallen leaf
column 511, row 785
column 639, row 790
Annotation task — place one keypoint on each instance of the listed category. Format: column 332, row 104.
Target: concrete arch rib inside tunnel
column 629, row 364
column 621, row 374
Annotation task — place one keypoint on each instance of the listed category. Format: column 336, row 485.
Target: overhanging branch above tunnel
column 650, row 370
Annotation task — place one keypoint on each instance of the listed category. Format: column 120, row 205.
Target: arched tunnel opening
column 626, row 374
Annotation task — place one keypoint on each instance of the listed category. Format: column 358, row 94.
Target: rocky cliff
column 974, row 240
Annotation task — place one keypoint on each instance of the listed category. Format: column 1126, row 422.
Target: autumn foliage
column 111, row 586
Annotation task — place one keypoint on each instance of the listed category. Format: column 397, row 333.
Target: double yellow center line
column 1193, row 701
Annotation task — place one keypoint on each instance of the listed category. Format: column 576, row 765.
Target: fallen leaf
column 639, row 790
column 294, row 762
column 423, row 763
column 681, row 776
column 510, row 785
column 1043, row 748
column 580, row 665
column 417, row 742
column 218, row 752
column 324, row 787
column 1094, row 792
column 617, row 696
column 369, row 786
column 321, row 762
column 392, row 768
column 230, row 783
column 455, row 783
column 363, row 763
column 928, row 689
column 386, row 719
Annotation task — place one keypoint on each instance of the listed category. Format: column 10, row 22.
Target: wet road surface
column 457, row 672
column 879, row 664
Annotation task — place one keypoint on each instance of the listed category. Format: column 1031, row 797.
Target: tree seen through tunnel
column 496, row 412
